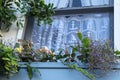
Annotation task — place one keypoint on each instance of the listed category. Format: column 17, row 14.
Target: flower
column 19, row 49
column 45, row 50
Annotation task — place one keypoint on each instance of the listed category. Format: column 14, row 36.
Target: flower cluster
column 45, row 49
column 101, row 55
column 96, row 54
column 25, row 52
column 44, row 54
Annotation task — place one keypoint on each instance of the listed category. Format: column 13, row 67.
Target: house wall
column 11, row 34
column 14, row 33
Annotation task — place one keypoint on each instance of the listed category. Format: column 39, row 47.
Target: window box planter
column 57, row 70
column 49, row 71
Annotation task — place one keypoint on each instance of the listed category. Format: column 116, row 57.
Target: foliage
column 83, row 48
column 73, row 66
column 7, row 14
column 43, row 55
column 101, row 56
column 8, row 62
column 37, row 9
column 0, row 35
column 97, row 54
column 25, row 53
column 70, row 61
column 30, row 71
column 117, row 53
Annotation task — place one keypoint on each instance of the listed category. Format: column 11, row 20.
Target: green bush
column 8, row 63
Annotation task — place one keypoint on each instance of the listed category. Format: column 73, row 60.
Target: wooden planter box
column 58, row 71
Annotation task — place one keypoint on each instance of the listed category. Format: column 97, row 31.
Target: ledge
column 58, row 65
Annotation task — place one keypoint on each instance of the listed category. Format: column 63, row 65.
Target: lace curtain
column 62, row 32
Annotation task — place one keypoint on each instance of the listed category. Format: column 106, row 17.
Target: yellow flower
column 19, row 49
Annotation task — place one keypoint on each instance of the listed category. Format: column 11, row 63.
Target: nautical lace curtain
column 62, row 32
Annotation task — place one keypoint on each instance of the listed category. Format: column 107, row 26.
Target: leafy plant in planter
column 83, row 48
column 97, row 54
column 7, row 14
column 101, row 56
column 43, row 55
column 8, row 62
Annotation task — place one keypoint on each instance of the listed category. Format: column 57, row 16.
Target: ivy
column 73, row 66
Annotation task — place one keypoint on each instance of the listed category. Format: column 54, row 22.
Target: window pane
column 62, row 32
column 94, row 2
column 77, row 3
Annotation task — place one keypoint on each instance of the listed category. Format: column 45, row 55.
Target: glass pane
column 77, row 3
column 62, row 32
column 94, row 2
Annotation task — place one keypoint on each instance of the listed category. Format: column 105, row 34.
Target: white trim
column 117, row 24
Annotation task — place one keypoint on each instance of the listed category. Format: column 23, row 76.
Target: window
column 94, row 18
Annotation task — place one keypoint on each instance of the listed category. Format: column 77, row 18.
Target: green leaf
column 86, row 42
column 9, row 4
column 73, row 66
column 74, row 49
column 1, row 54
column 17, row 4
column 0, row 2
column 7, row 68
column 29, row 71
column 6, row 59
column 79, row 34
column 17, row 23
column 86, row 73
column 73, row 55
column 36, row 70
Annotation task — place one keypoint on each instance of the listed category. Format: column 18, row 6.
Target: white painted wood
column 117, row 24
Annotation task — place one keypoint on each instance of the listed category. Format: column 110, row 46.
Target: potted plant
column 8, row 62
column 26, row 53
column 95, row 54
column 36, row 9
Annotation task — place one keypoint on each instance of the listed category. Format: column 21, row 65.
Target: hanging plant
column 7, row 14
column 37, row 9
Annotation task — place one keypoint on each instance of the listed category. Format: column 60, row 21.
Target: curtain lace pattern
column 62, row 32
